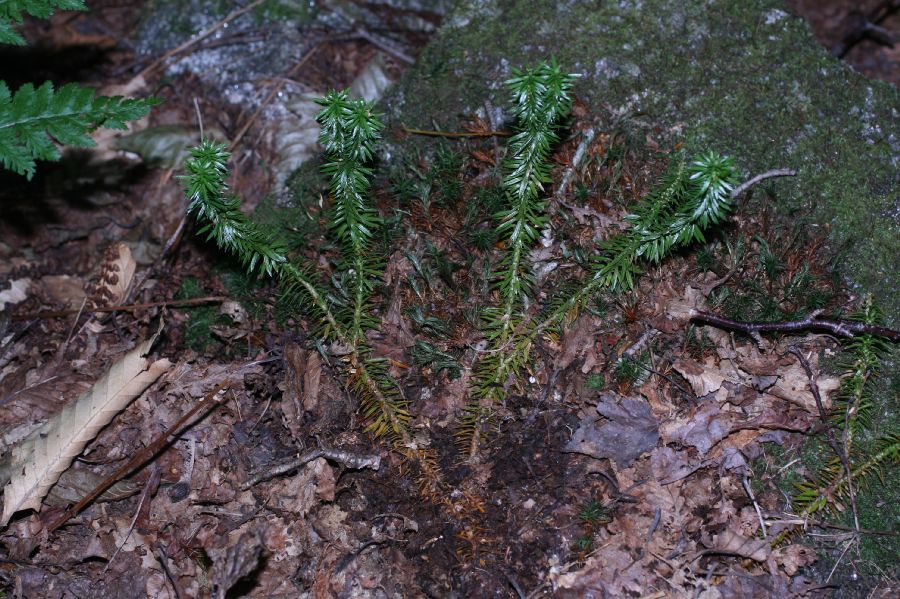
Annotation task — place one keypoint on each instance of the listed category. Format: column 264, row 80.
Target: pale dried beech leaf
column 704, row 379
column 41, row 458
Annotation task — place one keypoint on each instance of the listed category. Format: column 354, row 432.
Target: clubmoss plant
column 365, row 377
column 829, row 489
column 541, row 99
column 689, row 199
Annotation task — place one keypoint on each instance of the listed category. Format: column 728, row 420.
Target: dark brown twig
column 348, row 459
column 210, row 401
column 841, row 328
column 163, row 556
column 431, row 133
column 868, row 26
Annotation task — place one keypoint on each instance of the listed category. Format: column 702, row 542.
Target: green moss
column 741, row 77
column 197, row 333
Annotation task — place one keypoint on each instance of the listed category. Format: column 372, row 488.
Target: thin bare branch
column 840, row 328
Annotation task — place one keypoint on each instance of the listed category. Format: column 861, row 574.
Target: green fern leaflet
column 34, row 120
column 11, row 15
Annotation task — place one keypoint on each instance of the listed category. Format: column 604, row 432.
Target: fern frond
column 34, row 120
column 11, row 12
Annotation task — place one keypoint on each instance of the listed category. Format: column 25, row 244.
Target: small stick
column 841, row 328
column 383, row 44
column 778, row 172
column 569, row 174
column 455, row 133
column 762, row 523
column 125, row 307
column 355, row 461
column 823, row 524
column 211, row 400
column 163, row 558
column 150, row 487
column 197, row 38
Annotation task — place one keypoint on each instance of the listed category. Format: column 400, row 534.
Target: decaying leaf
column 702, row 427
column 630, row 431
column 240, row 560
column 734, row 543
column 41, row 458
column 16, row 292
column 744, row 371
column 116, row 274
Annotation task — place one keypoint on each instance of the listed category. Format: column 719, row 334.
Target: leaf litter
column 664, row 455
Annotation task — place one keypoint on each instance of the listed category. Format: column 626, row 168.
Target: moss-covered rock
column 739, row 76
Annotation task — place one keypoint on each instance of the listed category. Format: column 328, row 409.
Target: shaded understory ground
column 621, row 464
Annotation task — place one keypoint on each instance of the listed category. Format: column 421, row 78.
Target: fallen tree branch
column 210, row 401
column 840, row 328
column 348, row 459
column 778, row 172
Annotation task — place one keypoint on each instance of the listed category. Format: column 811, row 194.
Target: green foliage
column 198, row 334
column 828, row 489
column 593, row 512
column 381, row 401
column 429, row 325
column 11, row 14
column 206, row 189
column 687, row 201
column 349, row 132
column 33, row 120
column 540, row 99
column 630, row 371
column 428, row 354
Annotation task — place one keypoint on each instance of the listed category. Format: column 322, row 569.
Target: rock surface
column 739, row 76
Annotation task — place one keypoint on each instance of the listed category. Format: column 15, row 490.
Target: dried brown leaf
column 44, row 456
column 630, row 431
column 734, row 543
column 116, row 274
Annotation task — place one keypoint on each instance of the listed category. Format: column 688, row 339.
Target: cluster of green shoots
column 350, row 130
column 691, row 197
column 830, row 489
